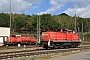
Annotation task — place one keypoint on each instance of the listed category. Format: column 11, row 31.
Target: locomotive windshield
column 67, row 30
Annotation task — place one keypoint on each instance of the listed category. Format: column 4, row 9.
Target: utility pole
column 58, row 19
column 82, row 32
column 78, row 33
column 10, row 18
column 75, row 22
column 39, row 28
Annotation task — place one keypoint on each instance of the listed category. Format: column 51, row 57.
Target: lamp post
column 39, row 27
column 75, row 22
column 82, row 32
column 10, row 18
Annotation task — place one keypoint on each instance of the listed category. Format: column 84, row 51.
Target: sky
column 82, row 7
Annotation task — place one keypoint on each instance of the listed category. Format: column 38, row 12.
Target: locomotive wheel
column 45, row 46
column 75, row 45
column 66, row 47
column 53, row 46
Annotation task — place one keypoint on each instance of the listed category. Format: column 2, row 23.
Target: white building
column 4, row 34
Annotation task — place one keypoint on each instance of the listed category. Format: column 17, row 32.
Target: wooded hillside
column 48, row 22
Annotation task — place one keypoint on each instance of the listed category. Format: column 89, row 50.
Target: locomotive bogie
column 60, row 44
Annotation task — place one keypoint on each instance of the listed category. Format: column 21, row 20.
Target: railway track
column 16, row 47
column 16, row 54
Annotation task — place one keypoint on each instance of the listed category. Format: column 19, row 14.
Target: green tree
column 80, row 21
column 48, row 23
column 20, row 21
column 4, row 20
column 30, row 22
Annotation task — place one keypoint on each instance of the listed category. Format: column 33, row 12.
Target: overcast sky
column 82, row 7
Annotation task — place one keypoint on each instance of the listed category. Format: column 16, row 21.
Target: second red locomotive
column 64, row 39
column 12, row 40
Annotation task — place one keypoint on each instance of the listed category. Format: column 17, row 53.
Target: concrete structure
column 4, row 34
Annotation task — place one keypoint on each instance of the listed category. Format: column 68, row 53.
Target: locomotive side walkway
column 78, row 56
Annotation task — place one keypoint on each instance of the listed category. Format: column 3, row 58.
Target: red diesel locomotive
column 62, row 39
column 12, row 40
